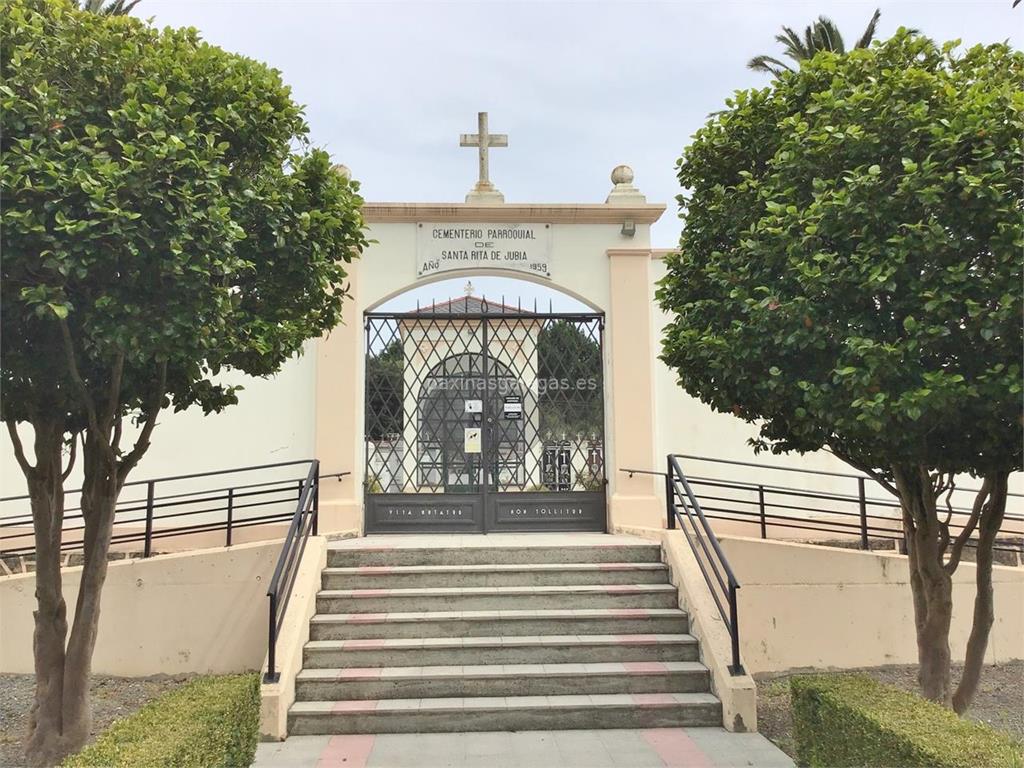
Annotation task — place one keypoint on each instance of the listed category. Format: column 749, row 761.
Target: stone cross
column 484, row 141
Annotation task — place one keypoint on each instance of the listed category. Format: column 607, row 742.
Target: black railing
column 682, row 508
column 860, row 516
column 169, row 507
column 304, row 522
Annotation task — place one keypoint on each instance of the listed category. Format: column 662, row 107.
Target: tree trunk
column 60, row 719
column 100, row 489
column 989, row 523
column 46, row 495
column 930, row 584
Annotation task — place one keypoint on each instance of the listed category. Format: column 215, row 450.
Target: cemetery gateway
column 482, row 414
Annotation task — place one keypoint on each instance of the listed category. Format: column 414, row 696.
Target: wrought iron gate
column 483, row 417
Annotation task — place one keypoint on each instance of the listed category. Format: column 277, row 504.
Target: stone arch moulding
column 475, row 272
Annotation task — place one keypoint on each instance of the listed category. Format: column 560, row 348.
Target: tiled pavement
column 651, row 748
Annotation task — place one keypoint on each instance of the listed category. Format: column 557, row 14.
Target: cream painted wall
column 808, row 606
column 203, row 612
column 314, row 406
column 273, row 421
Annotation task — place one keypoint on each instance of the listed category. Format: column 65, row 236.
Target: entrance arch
column 596, row 253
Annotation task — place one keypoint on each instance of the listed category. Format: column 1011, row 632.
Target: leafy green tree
column 849, row 279
column 822, row 35
column 569, row 370
column 384, row 392
column 164, row 220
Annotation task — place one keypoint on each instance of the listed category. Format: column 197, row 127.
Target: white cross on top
column 484, row 141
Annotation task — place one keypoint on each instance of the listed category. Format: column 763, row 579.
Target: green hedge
column 211, row 722
column 853, row 720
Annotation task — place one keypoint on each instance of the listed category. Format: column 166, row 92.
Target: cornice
column 517, row 213
column 644, row 253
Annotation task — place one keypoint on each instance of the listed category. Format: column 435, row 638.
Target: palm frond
column 795, row 48
column 827, row 36
column 115, row 8
column 809, row 44
column 869, row 32
column 768, row 64
column 822, row 35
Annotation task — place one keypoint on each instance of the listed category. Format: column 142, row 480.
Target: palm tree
column 116, row 8
column 822, row 35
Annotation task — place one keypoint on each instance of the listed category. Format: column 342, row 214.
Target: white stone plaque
column 452, row 246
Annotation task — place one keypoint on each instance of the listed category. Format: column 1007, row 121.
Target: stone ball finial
column 624, row 193
column 622, row 174
column 342, row 170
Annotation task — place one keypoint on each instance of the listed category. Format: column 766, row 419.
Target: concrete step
column 501, row 680
column 496, row 598
column 579, row 621
column 507, row 713
column 342, row 554
column 493, row 575
column 526, row 649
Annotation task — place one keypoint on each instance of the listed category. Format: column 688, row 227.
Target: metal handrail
column 779, row 506
column 688, row 510
column 798, row 470
column 304, row 521
column 233, row 506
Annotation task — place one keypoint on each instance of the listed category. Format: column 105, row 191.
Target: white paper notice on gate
column 472, row 440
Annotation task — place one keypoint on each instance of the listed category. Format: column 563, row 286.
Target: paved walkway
column 653, row 748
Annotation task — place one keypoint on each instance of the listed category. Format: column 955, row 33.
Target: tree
column 849, row 278
column 384, row 391
column 569, row 370
column 822, row 35
column 164, row 220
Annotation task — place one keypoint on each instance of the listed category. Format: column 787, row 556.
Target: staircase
column 499, row 638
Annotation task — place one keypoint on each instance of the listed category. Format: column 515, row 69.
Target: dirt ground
column 1000, row 699
column 112, row 699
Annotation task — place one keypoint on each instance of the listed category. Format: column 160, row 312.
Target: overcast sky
column 579, row 87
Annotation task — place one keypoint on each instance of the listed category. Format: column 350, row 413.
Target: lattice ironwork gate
column 484, row 418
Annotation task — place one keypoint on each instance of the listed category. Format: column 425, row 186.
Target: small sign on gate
column 512, row 408
column 472, row 440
